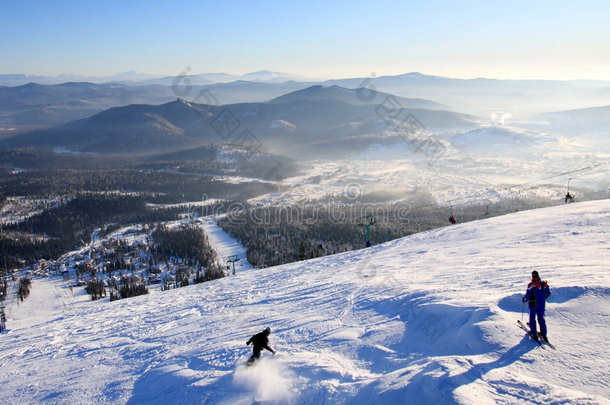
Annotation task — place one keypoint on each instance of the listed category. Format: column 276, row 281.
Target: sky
column 322, row 39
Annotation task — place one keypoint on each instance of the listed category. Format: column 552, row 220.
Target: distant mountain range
column 315, row 121
column 35, row 105
column 578, row 122
column 132, row 77
column 146, row 115
column 21, row 79
column 592, row 115
column 484, row 97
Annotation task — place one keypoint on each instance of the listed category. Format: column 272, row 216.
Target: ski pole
column 522, row 311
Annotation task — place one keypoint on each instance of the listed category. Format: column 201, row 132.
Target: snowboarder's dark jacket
column 537, row 293
column 259, row 342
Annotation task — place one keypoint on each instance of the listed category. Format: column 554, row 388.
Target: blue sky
column 502, row 39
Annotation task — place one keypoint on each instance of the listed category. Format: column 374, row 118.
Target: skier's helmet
column 267, row 330
column 535, row 274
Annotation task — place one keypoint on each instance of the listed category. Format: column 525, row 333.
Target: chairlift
column 452, row 217
column 366, row 222
column 568, row 198
column 487, row 210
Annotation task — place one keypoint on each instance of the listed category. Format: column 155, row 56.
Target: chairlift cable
column 518, row 186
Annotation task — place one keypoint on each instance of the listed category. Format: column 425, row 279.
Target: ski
column 549, row 344
column 525, row 328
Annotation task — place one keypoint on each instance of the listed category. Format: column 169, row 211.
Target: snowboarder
column 537, row 293
column 259, row 342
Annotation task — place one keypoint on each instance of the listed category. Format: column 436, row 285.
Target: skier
column 537, row 293
column 569, row 198
column 259, row 342
column 452, row 219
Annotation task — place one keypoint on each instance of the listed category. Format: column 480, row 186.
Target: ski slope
column 225, row 246
column 427, row 319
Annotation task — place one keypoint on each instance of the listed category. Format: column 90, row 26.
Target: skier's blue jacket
column 537, row 293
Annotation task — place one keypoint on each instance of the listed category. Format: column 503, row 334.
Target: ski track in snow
column 429, row 318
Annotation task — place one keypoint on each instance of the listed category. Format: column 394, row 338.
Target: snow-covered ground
column 429, row 318
column 189, row 206
column 225, row 246
column 18, row 209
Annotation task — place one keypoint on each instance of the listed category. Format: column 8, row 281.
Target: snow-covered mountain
column 429, row 318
